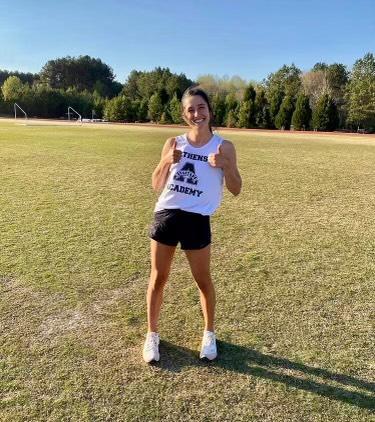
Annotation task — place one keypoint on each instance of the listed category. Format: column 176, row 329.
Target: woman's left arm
column 226, row 159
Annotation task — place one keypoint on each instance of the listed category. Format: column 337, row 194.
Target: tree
column 12, row 89
column 82, row 101
column 231, row 120
column 209, row 83
column 285, row 82
column 338, row 77
column 325, row 116
column 249, row 93
column 337, row 74
column 302, row 114
column 177, row 85
column 162, row 92
column 118, row 109
column 42, row 101
column 175, row 109
column 155, row 108
column 231, row 102
column 315, row 85
column 225, row 85
column 140, row 110
column 244, row 114
column 165, row 117
column 284, row 116
column 142, row 85
column 261, row 110
column 327, row 79
column 28, row 78
column 275, row 99
column 218, row 108
column 263, row 118
column 130, row 88
column 320, row 66
column 98, row 105
column 83, row 72
column 143, row 110
column 246, row 110
column 361, row 93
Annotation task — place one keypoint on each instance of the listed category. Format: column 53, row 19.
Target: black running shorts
column 192, row 230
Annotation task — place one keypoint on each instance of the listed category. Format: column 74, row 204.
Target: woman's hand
column 173, row 155
column 169, row 155
column 218, row 159
column 225, row 158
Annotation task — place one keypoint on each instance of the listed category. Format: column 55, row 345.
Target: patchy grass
column 293, row 262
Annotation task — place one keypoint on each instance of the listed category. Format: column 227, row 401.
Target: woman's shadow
column 253, row 363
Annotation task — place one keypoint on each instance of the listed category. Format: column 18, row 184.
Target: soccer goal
column 75, row 112
column 16, row 106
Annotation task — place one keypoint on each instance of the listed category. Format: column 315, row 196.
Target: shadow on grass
column 253, row 363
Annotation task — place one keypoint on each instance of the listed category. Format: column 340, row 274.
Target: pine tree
column 175, row 109
column 325, row 116
column 262, row 112
column 263, row 119
column 231, row 105
column 155, row 108
column 361, row 93
column 118, row 109
column 140, row 110
column 244, row 114
column 230, row 102
column 218, row 107
column 284, row 116
column 275, row 101
column 165, row 118
column 231, row 120
column 249, row 93
column 302, row 114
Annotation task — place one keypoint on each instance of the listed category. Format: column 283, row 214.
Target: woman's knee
column 204, row 283
column 158, row 279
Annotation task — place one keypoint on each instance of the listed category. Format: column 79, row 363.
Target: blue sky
column 246, row 38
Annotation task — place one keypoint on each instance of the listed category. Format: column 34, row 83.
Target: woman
column 191, row 173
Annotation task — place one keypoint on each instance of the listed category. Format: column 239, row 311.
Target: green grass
column 293, row 264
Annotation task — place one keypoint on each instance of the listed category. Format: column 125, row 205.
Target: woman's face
column 196, row 112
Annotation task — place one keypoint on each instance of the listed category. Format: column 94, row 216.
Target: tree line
column 327, row 97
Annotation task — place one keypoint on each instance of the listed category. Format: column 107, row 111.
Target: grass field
column 293, row 263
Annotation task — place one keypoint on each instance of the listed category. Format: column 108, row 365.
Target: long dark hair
column 192, row 92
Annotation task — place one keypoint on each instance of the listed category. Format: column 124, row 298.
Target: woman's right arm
column 169, row 155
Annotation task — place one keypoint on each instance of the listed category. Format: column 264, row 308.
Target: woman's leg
column 161, row 260
column 199, row 261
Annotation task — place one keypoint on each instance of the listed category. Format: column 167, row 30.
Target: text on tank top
column 193, row 184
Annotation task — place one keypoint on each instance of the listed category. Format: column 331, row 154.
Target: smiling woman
column 191, row 175
column 198, row 108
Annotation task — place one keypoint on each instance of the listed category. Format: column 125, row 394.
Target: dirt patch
column 63, row 323
column 6, row 280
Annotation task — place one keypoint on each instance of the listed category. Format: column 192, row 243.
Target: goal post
column 74, row 111
column 17, row 106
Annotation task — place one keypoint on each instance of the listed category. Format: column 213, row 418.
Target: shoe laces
column 208, row 339
column 152, row 342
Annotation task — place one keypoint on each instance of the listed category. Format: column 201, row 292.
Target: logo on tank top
column 187, row 174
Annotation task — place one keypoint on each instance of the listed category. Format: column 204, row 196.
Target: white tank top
column 192, row 184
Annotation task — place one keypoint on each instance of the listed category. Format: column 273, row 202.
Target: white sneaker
column 208, row 350
column 151, row 348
